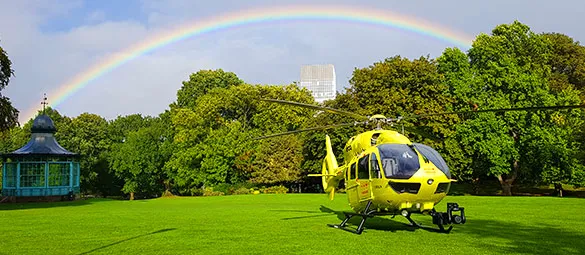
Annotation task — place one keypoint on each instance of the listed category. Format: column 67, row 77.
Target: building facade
column 320, row 80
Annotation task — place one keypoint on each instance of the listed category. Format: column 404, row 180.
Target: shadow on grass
column 499, row 237
column 41, row 205
column 377, row 222
column 128, row 239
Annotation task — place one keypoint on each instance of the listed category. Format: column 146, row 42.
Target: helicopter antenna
column 44, row 102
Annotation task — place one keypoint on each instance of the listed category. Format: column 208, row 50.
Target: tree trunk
column 131, row 195
column 476, row 185
column 559, row 189
column 507, row 183
column 506, row 188
column 167, row 184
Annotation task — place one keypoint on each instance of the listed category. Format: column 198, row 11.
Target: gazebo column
column 18, row 178
column 71, row 175
column 3, row 173
column 46, row 178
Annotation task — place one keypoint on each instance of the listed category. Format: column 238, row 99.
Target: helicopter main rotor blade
column 422, row 133
column 317, row 107
column 309, row 129
column 535, row 108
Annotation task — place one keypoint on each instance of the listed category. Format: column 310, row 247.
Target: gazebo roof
column 43, row 124
column 42, row 142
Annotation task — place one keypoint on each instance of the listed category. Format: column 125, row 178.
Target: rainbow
column 248, row 17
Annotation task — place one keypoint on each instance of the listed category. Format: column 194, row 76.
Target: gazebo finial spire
column 44, row 103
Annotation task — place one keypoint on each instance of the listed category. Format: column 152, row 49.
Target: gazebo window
column 32, row 175
column 10, row 178
column 58, row 174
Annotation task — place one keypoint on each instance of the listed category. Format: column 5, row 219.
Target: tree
column 8, row 114
column 213, row 142
column 123, row 125
column 567, row 62
column 88, row 135
column 140, row 159
column 455, row 67
column 278, row 161
column 568, row 72
column 201, row 83
column 509, row 68
column 12, row 139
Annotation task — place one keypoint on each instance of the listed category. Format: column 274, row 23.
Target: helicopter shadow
column 128, row 239
column 377, row 223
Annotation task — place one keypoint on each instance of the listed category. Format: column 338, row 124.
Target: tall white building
column 320, row 80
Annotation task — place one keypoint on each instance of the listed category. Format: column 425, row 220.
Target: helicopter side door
column 351, row 185
column 364, row 187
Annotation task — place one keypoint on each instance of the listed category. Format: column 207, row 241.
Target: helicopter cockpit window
column 398, row 160
column 363, row 171
column 374, row 167
column 352, row 171
column 434, row 157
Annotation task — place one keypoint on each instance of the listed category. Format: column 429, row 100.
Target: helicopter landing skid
column 439, row 218
column 417, row 225
column 348, row 215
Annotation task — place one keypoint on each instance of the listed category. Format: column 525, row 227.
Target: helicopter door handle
column 353, row 186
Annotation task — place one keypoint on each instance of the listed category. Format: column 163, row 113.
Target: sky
column 52, row 42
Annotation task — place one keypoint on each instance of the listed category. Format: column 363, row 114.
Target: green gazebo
column 41, row 168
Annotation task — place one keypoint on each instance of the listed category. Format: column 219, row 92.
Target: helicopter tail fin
column 330, row 170
column 330, row 174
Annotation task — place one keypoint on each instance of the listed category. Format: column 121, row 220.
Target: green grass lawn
column 285, row 224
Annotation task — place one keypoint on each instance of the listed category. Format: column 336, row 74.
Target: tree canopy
column 511, row 68
column 8, row 114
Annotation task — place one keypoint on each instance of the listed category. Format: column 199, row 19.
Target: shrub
column 167, row 193
column 196, row 192
column 275, row 190
column 210, row 192
column 240, row 191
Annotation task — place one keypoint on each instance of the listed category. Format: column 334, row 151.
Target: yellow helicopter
column 387, row 174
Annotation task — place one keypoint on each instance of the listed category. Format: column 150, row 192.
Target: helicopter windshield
column 434, row 157
column 398, row 160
